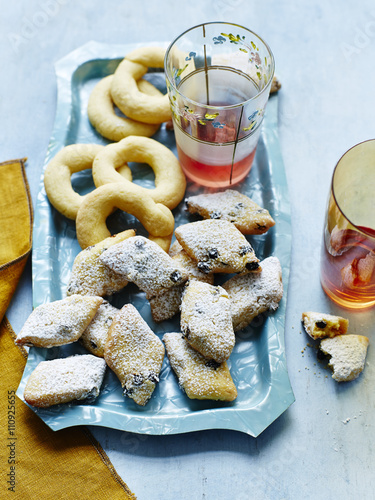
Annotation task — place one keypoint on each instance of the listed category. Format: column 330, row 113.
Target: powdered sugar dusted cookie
column 321, row 325
column 134, row 353
column 234, row 207
column 217, row 246
column 59, row 322
column 166, row 304
column 95, row 335
column 348, row 355
column 90, row 276
column 198, row 376
column 64, row 380
column 254, row 293
column 144, row 263
column 206, row 320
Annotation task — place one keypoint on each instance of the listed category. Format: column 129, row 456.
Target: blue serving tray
column 257, row 364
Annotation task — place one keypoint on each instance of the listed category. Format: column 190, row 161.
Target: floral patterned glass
column 218, row 79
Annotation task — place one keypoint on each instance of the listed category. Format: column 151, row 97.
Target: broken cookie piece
column 348, row 355
column 199, row 377
column 233, row 206
column 320, row 325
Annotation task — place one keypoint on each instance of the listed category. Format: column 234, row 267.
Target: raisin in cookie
column 254, row 293
column 90, row 276
column 198, row 377
column 320, row 325
column 64, row 380
column 144, row 263
column 95, row 335
column 59, row 322
column 348, row 355
column 217, row 246
column 234, row 207
column 134, row 353
column 166, row 304
column 206, row 320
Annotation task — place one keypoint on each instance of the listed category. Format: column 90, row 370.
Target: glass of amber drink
column 218, row 77
column 348, row 250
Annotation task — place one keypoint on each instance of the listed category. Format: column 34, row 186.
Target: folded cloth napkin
column 37, row 463
column 15, row 228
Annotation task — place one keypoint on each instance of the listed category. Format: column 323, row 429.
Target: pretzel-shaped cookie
column 102, row 116
column 125, row 93
column 57, row 176
column 170, row 182
column 99, row 204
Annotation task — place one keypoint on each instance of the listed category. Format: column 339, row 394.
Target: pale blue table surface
column 322, row 446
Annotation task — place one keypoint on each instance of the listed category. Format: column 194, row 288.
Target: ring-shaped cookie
column 57, row 176
column 125, row 93
column 91, row 226
column 103, row 118
column 170, row 181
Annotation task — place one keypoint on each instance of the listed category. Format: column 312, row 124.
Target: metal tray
column 257, row 363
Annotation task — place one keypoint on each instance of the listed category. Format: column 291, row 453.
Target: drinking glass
column 218, row 79
column 348, row 250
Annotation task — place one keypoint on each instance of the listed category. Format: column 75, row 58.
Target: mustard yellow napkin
column 37, row 463
column 15, row 228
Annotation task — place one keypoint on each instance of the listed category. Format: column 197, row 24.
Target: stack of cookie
column 180, row 281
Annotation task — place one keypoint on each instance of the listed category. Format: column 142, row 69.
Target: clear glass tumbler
column 218, row 79
column 348, row 250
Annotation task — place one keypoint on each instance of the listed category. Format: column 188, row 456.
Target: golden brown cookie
column 254, row 293
column 206, row 320
column 144, row 263
column 107, row 122
column 320, row 325
column 90, row 276
column 218, row 246
column 235, row 207
column 170, row 181
column 95, row 335
column 198, row 376
column 134, row 353
column 125, row 93
column 92, row 215
column 58, row 173
column 64, row 380
column 59, row 322
column 348, row 355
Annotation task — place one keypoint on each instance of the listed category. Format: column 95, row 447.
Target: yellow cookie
column 134, row 353
column 90, row 276
column 199, row 377
column 64, row 380
column 233, row 206
column 255, row 293
column 218, row 246
column 103, row 118
column 59, row 322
